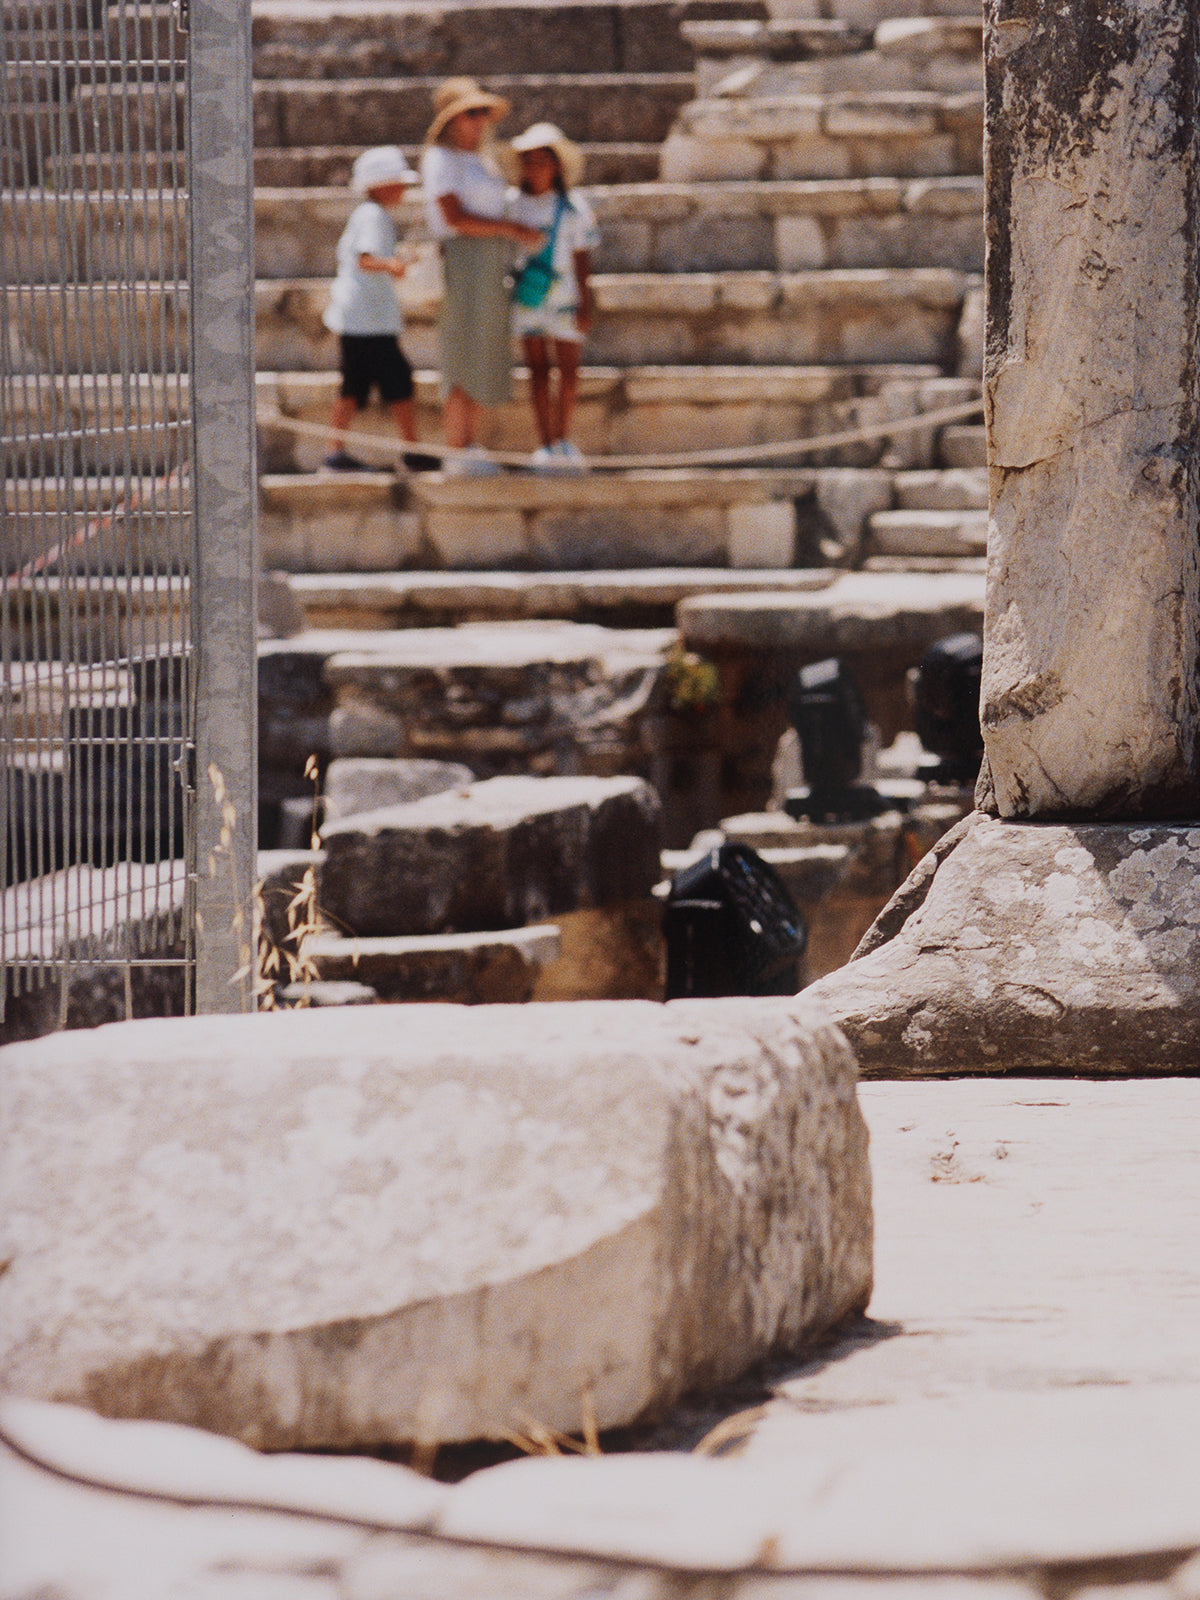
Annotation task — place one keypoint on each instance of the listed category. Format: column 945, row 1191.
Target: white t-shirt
column 364, row 302
column 479, row 188
column 577, row 230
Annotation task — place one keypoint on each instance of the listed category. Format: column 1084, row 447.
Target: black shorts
column 375, row 361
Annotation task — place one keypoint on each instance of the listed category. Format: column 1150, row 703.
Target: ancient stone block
column 1057, row 949
column 1091, row 701
column 494, row 855
column 365, row 785
column 498, row 968
column 470, row 539
column 762, row 535
column 350, row 1228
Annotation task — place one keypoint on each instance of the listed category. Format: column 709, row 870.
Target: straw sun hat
column 543, row 136
column 383, row 164
column 462, row 94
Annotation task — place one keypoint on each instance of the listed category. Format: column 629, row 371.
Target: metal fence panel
column 126, row 498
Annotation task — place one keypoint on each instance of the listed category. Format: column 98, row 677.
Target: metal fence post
column 224, row 487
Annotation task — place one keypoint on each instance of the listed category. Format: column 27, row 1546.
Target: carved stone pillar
column 1090, row 698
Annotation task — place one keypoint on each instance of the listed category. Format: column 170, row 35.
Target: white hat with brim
column 462, row 94
column 543, row 136
column 383, row 164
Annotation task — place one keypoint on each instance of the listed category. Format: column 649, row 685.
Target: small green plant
column 693, row 682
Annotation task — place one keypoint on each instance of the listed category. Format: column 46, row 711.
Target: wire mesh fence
column 103, row 572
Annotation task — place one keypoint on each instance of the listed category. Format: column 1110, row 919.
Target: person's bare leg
column 537, row 357
column 345, row 409
column 405, row 414
column 460, row 419
column 566, row 356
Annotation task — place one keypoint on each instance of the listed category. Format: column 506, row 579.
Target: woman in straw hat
column 465, row 207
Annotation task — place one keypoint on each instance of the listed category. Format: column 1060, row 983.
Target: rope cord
column 731, row 456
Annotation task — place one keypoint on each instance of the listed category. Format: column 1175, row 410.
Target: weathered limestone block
column 1055, row 949
column 1090, row 696
column 432, row 1223
column 498, row 854
column 367, row 784
column 498, row 968
column 501, row 698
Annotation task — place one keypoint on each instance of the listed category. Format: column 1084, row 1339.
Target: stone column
column 1090, row 699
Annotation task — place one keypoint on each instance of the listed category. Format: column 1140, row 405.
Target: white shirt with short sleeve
column 577, row 230
column 364, row 302
column 479, row 188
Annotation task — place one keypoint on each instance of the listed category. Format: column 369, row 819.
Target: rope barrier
column 747, row 455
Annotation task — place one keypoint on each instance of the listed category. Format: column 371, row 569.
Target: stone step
column 134, row 429
column 591, row 106
column 786, row 226
column 964, row 445
column 134, row 541
column 952, row 489
column 621, row 411
column 505, row 853
column 943, row 54
column 737, row 517
column 319, row 166
column 329, row 166
column 623, row 599
column 660, row 227
column 852, row 316
column 463, row 968
column 113, row 117
column 836, row 135
column 142, row 30
column 927, row 533
column 651, row 410
column 348, row 37
column 774, row 38
column 868, row 14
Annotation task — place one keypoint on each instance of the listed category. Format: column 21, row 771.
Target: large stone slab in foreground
column 1025, row 948
column 386, row 1225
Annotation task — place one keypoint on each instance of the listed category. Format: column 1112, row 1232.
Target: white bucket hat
column 383, row 164
column 543, row 136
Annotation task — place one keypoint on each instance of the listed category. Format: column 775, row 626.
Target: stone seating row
column 738, row 517
column 797, row 225
column 847, row 316
column 595, row 106
column 800, row 56
column 858, row 133
column 628, row 410
column 637, row 411
column 294, row 39
column 325, row 165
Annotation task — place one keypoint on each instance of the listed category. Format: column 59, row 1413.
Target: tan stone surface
column 1026, row 1391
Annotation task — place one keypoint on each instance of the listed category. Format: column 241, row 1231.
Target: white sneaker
column 543, row 459
column 471, row 463
column 570, row 457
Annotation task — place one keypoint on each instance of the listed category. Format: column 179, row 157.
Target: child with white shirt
column 552, row 305
column 363, row 310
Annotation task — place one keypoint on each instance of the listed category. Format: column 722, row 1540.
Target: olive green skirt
column 476, row 320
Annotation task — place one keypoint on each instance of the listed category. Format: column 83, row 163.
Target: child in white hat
column 363, row 310
column 552, row 306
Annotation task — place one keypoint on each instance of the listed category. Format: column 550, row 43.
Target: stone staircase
column 810, row 260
